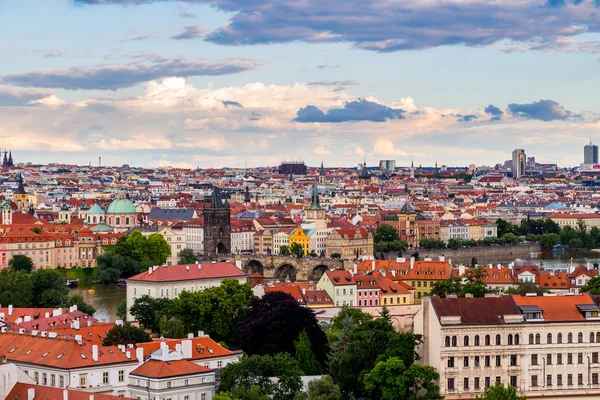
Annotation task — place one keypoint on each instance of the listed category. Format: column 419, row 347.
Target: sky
column 246, row 83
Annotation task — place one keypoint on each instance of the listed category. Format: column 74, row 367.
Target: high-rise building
column 518, row 163
column 387, row 165
column 590, row 154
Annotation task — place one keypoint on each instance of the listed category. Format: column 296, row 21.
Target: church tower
column 315, row 213
column 6, row 212
column 20, row 196
column 322, row 175
column 64, row 214
column 217, row 225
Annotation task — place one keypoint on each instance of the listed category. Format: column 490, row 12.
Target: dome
column 102, row 228
column 96, row 210
column 121, row 206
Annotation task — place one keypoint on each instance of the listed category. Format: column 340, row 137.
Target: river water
column 104, row 298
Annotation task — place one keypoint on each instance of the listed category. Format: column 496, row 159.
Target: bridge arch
column 316, row 273
column 253, row 266
column 286, row 271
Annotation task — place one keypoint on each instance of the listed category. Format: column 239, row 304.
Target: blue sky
column 247, row 82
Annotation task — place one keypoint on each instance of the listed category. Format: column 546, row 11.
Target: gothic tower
column 322, row 175
column 217, row 225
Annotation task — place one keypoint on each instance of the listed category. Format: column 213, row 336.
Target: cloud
column 183, row 13
column 348, row 82
column 493, row 110
column 322, row 151
column 51, row 100
column 19, row 98
column 51, row 53
column 135, row 38
column 192, row 32
column 229, row 103
column 397, row 25
column 113, row 77
column 466, row 118
column 543, row 110
column 357, row 110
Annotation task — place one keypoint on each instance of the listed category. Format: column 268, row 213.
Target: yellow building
column 20, row 196
column 298, row 236
column 572, row 219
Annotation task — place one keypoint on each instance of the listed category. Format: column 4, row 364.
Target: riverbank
column 78, row 273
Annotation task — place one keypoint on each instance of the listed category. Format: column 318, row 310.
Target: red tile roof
column 340, row 277
column 20, row 391
column 190, row 272
column 166, row 369
column 557, row 308
column 200, row 347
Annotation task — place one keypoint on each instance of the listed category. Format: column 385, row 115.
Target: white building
column 194, row 233
column 170, row 281
column 545, row 346
column 242, row 237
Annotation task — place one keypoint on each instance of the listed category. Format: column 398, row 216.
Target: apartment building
column 340, row 286
column 544, row 346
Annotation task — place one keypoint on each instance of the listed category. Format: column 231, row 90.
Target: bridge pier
column 293, row 268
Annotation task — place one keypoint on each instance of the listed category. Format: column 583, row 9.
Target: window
column 454, row 341
column 517, row 339
column 45, row 379
column 487, row 340
column 549, row 359
column 121, row 376
column 450, row 362
column 487, row 361
column 82, row 380
column 579, row 358
column 219, row 364
column 570, row 379
column 580, row 379
column 487, row 381
column 476, row 340
column 36, row 377
column 549, row 338
column 594, row 378
column 595, row 358
column 466, row 341
column 447, row 341
column 549, row 380
column 534, row 359
column 203, row 396
column 476, row 361
column 61, row 381
column 559, row 338
column 537, row 338
column 534, row 380
column 513, row 360
column 105, row 378
column 531, row 338
column 580, row 338
column 592, row 337
column 450, row 383
column 513, row 381
column 498, row 340
column 569, row 358
column 476, row 383
column 466, row 362
column 559, row 380
column 510, row 339
column 570, row 338
column 559, row 359
column 498, row 361
column 52, row 380
column 498, row 380
column 466, row 383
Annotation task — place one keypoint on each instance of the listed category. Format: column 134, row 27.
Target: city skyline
column 196, row 83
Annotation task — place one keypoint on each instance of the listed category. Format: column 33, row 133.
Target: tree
column 9, row 280
column 125, row 334
column 305, row 356
column 284, row 250
column 499, row 392
column 146, row 250
column 122, row 310
column 147, row 311
column 312, row 253
column 240, row 393
column 385, row 233
column 20, row 262
column 82, row 306
column 273, row 324
column 187, row 256
column 257, row 371
column 548, row 240
column 510, row 238
column 393, row 380
column 36, row 229
column 172, row 328
column 49, row 288
column 112, row 266
column 452, row 285
column 355, row 315
column 575, row 243
column 592, row 286
column 526, row 287
column 324, row 389
column 296, row 249
column 336, row 255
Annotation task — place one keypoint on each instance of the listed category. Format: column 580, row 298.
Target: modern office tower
column 387, row 165
column 518, row 163
column 590, row 154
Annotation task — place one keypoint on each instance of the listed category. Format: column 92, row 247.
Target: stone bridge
column 292, row 268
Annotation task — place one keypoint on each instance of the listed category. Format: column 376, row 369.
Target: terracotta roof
column 499, row 276
column 200, row 347
column 557, row 308
column 186, row 272
column 20, row 392
column 166, row 369
column 340, row 277
column 293, row 291
column 548, row 280
column 313, row 297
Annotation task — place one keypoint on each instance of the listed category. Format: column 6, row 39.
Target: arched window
column 538, row 338
column 118, row 220
column 597, row 337
column 531, row 338
column 592, row 337
column 447, row 341
column 127, row 221
column 570, row 338
column 559, row 338
column 487, row 340
column 95, row 219
column 549, row 338
column 466, row 341
column 580, row 337
column 498, row 340
column 476, row 340
column 510, row 339
column 454, row 344
column 517, row 339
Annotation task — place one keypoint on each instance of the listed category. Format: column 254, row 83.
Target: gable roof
column 166, row 369
column 186, row 272
column 487, row 310
column 20, row 392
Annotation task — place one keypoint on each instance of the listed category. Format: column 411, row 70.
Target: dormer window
column 589, row 311
column 532, row 313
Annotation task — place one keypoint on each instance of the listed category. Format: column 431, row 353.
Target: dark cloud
column 397, row 25
column 229, row 103
column 348, row 82
column 10, row 99
column 357, row 110
column 183, row 13
column 192, row 32
column 113, row 77
column 493, row 110
column 466, row 118
column 543, row 110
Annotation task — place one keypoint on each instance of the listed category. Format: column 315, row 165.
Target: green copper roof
column 315, row 199
column 102, row 228
column 121, row 206
column 96, row 210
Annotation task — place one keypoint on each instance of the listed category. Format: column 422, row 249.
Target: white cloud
column 322, row 151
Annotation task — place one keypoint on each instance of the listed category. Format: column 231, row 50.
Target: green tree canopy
column 122, row 310
column 257, row 370
column 296, row 249
column 112, row 266
column 592, row 286
column 324, row 389
column 21, row 262
column 500, row 392
column 385, row 233
column 393, row 380
column 172, row 328
column 526, row 287
column 9, row 280
column 82, row 306
column 305, row 357
column 284, row 250
column 452, row 285
column 241, row 393
column 49, row 288
column 146, row 250
column 147, row 311
column 356, row 315
column 125, row 334
column 548, row 240
column 187, row 256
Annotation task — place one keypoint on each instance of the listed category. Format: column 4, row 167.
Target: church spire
column 315, row 205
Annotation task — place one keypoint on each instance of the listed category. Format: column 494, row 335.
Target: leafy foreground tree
column 49, row 288
column 592, row 286
column 9, row 280
column 20, row 262
column 385, row 233
column 172, row 328
column 147, row 311
column 125, row 334
column 240, row 393
column 526, row 287
column 355, row 315
column 113, row 266
column 321, row 389
column 305, row 356
column 187, row 256
column 452, row 285
column 273, row 324
column 82, row 306
column 393, row 380
column 296, row 249
column 499, row 392
column 257, row 371
column 122, row 310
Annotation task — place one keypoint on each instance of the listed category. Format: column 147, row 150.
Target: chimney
column 95, row 353
column 128, row 354
column 200, row 266
column 91, row 397
column 10, row 309
column 461, row 269
column 165, row 349
column 393, row 273
column 139, row 354
column 65, row 394
column 89, row 322
column 373, row 265
column 150, row 270
column 57, row 312
column 201, row 334
column 450, row 261
column 412, row 262
column 442, row 258
column 186, row 348
column 2, row 316
column 47, row 315
column 178, row 347
column 190, row 335
column 30, row 393
column 78, row 339
column 355, row 269
column 155, row 267
column 27, row 318
column 303, row 291
column 76, row 324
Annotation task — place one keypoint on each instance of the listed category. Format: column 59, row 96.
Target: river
column 104, row 298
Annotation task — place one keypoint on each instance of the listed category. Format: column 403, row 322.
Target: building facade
column 217, row 225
